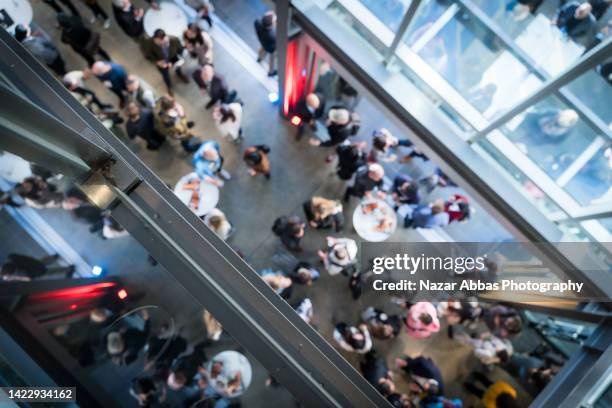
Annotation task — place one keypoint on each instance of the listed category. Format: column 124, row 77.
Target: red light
column 296, row 120
column 73, row 306
column 78, row 291
column 122, row 294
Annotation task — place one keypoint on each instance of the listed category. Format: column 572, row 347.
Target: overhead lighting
column 96, row 270
column 273, row 97
column 122, row 294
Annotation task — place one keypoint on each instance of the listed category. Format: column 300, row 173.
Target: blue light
column 96, row 270
column 273, row 97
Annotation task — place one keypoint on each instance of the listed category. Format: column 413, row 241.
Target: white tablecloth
column 365, row 224
column 20, row 11
column 169, row 17
column 233, row 362
column 208, row 194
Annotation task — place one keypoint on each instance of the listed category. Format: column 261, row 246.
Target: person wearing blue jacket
column 208, row 163
column 428, row 216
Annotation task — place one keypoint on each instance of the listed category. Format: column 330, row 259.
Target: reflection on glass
column 473, row 61
column 594, row 89
column 551, row 134
column 523, row 183
column 593, row 183
column 390, row 12
column 426, row 15
column 361, row 28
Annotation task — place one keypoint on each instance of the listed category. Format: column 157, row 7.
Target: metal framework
column 204, row 264
column 402, row 30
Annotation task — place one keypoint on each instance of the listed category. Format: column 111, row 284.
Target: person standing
column 198, row 43
column 428, row 216
column 42, row 48
column 165, row 51
column 208, row 163
column 114, row 77
column 170, row 121
column 265, row 28
column 322, row 213
column 256, row 158
column 309, row 109
column 129, row 18
column 214, row 85
column 141, row 123
column 73, row 80
column 575, row 19
column 422, row 320
column 367, row 180
column 290, row 230
column 83, row 41
column 228, row 119
column 53, row 4
column 18, row 267
column 141, row 92
column 340, row 255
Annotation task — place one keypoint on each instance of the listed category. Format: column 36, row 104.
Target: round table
column 190, row 189
column 20, row 11
column 233, row 362
column 168, row 17
column 368, row 216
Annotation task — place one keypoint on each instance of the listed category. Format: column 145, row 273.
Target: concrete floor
column 298, row 172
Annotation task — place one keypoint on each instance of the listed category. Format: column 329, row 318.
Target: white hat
column 339, row 116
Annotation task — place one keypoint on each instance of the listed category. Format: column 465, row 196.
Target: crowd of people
column 156, row 117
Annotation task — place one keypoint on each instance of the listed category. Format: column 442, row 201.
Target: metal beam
column 24, row 126
column 402, row 30
column 588, row 61
column 263, row 323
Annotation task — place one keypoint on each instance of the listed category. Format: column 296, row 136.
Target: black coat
column 301, row 109
column 128, row 22
column 266, row 36
column 218, row 90
column 76, row 34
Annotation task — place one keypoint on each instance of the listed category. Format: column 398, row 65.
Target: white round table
column 190, row 189
column 368, row 217
column 20, row 11
column 169, row 17
column 233, row 362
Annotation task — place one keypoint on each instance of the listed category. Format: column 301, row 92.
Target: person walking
column 256, row 158
column 113, row 76
column 98, row 13
column 81, row 39
column 265, row 28
column 213, row 85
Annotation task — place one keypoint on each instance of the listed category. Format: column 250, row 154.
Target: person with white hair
column 340, row 255
column 73, row 80
column 124, row 344
column 368, row 179
column 341, row 124
column 575, row 19
column 113, row 76
column 208, row 163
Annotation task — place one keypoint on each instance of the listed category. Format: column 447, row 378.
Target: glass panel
column 551, row 134
column 471, row 59
column 390, row 12
column 426, row 15
column 593, row 183
column 523, row 183
column 366, row 32
column 535, row 33
column 593, row 88
column 607, row 223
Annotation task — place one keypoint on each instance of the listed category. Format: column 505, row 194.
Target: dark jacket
column 350, row 158
column 338, row 134
column 218, row 90
column 426, row 368
column 363, row 183
column 144, row 127
column 410, row 197
column 301, row 109
column 27, row 266
column 74, row 33
column 374, row 368
column 572, row 26
column 154, row 53
column 266, row 36
column 128, row 22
